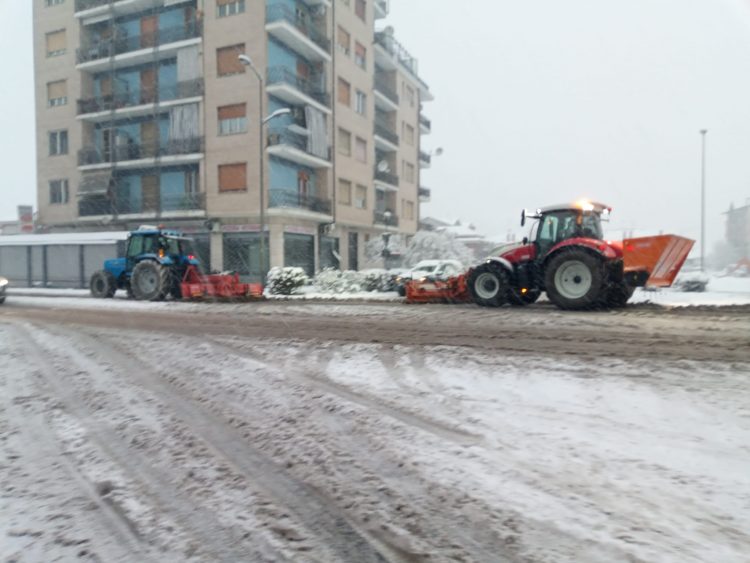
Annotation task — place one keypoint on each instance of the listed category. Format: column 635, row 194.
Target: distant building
column 738, row 230
column 23, row 225
column 465, row 234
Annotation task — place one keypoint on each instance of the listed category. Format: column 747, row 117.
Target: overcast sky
column 537, row 102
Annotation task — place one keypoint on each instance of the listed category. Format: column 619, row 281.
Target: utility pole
column 703, row 198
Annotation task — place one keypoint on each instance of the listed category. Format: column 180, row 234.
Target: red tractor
column 567, row 257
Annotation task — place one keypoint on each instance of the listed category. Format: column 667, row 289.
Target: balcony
column 140, row 102
column 135, row 154
column 159, row 205
column 386, row 178
column 385, row 138
column 294, row 147
column 389, row 220
column 382, row 9
column 296, row 200
column 424, row 194
column 425, row 159
column 164, row 43
column 386, row 97
column 425, row 125
column 391, row 55
column 294, row 89
column 307, row 39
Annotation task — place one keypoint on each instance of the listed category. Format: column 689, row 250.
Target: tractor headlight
column 3, row 282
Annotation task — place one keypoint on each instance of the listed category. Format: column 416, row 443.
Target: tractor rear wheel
column 103, row 284
column 150, row 281
column 574, row 279
column 488, row 285
column 618, row 294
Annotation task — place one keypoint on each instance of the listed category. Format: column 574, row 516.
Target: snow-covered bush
column 285, row 281
column 336, row 281
column 374, row 248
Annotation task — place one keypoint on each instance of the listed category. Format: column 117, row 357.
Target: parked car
column 3, row 287
column 436, row 269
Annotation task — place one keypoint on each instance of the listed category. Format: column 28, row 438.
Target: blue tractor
column 153, row 266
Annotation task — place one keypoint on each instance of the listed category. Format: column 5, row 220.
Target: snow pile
column 286, row 281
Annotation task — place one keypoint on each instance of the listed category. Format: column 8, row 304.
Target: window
column 408, row 172
column 233, row 177
column 361, row 103
column 360, row 150
column 49, row 3
column 407, row 131
column 58, row 191
column 229, row 7
column 360, row 197
column 56, row 44
column 58, row 142
column 345, row 142
column 345, row 92
column 360, row 55
column 409, row 210
column 343, row 41
column 360, row 8
column 232, row 119
column 227, row 61
column 345, row 192
column 408, row 93
column 57, row 93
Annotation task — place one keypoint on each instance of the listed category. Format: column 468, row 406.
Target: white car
column 3, row 286
column 436, row 269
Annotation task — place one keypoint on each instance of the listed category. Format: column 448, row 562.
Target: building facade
column 146, row 113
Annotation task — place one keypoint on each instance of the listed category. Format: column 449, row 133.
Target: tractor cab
column 559, row 223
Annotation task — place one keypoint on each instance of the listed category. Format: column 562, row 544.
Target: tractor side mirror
column 525, row 241
column 523, row 217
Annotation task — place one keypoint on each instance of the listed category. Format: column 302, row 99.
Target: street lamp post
column 703, row 197
column 386, row 237
column 248, row 62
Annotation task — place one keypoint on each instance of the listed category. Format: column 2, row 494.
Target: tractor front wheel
column 574, row 279
column 103, row 284
column 150, row 281
column 488, row 285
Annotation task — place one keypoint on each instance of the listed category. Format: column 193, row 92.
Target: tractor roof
column 583, row 204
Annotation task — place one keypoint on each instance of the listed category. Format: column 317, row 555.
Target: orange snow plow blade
column 217, row 286
column 661, row 256
column 452, row 290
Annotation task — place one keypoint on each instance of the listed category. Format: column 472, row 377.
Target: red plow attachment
column 217, row 286
column 452, row 290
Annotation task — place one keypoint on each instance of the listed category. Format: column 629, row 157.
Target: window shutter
column 57, row 89
column 232, row 177
column 345, row 93
column 232, row 112
column 56, row 42
column 227, row 60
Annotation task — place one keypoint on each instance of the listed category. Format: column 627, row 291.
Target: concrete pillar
column 276, row 242
column 216, row 240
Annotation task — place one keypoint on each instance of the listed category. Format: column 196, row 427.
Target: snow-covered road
column 304, row 432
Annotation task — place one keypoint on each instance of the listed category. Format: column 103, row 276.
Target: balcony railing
column 279, row 12
column 386, row 177
column 121, row 204
column 101, row 49
column 313, row 89
column 82, row 5
column 424, row 193
column 187, row 89
column 424, row 122
column 395, row 49
column 383, row 130
column 383, row 86
column 287, row 137
column 425, row 157
column 385, row 218
column 284, row 198
column 135, row 151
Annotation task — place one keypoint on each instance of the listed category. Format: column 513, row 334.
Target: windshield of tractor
column 558, row 226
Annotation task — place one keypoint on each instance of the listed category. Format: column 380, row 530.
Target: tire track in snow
column 315, row 511
column 197, row 522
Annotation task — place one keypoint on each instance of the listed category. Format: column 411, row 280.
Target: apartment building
column 178, row 111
